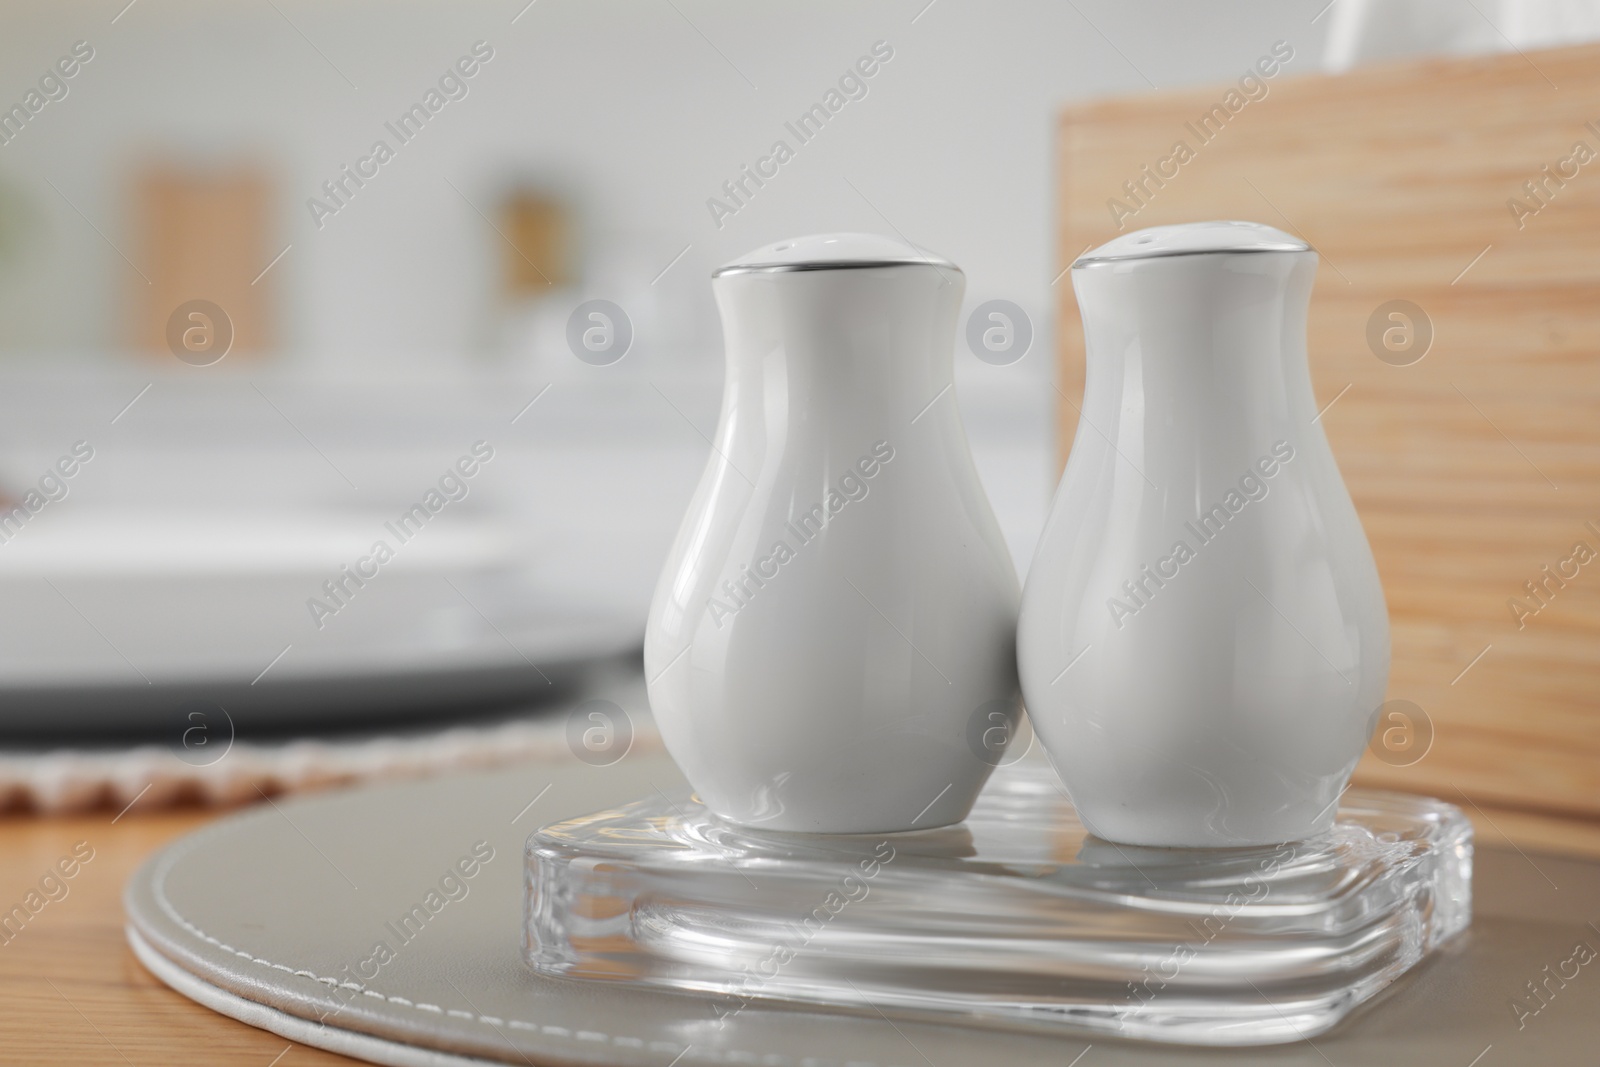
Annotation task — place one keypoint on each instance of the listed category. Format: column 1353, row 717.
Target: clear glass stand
column 1016, row 918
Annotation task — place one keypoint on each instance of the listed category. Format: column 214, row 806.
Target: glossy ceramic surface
column 831, row 647
column 1203, row 643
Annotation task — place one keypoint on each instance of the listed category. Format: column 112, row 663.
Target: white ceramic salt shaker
column 839, row 608
column 1203, row 643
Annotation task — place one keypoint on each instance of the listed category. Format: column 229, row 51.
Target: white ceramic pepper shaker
column 1203, row 642
column 839, row 608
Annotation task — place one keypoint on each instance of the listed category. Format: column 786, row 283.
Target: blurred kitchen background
column 377, row 337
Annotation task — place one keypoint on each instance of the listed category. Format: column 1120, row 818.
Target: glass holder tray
column 1016, row 918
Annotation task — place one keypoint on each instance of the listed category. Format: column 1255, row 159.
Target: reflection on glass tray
column 117, row 620
column 1016, row 918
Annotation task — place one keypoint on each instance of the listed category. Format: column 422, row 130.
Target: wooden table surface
column 72, row 992
column 70, row 989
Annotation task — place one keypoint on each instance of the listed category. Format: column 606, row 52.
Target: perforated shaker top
column 833, row 251
column 1190, row 239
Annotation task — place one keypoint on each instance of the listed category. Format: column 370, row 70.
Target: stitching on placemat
column 158, row 883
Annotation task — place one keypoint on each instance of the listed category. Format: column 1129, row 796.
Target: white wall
column 622, row 101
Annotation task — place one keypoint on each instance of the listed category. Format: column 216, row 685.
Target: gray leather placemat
column 274, row 916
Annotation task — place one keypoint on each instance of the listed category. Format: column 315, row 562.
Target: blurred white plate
column 118, row 619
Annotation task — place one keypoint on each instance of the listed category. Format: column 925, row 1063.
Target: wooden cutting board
column 1474, row 467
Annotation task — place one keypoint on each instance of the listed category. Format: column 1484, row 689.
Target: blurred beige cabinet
column 204, row 235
